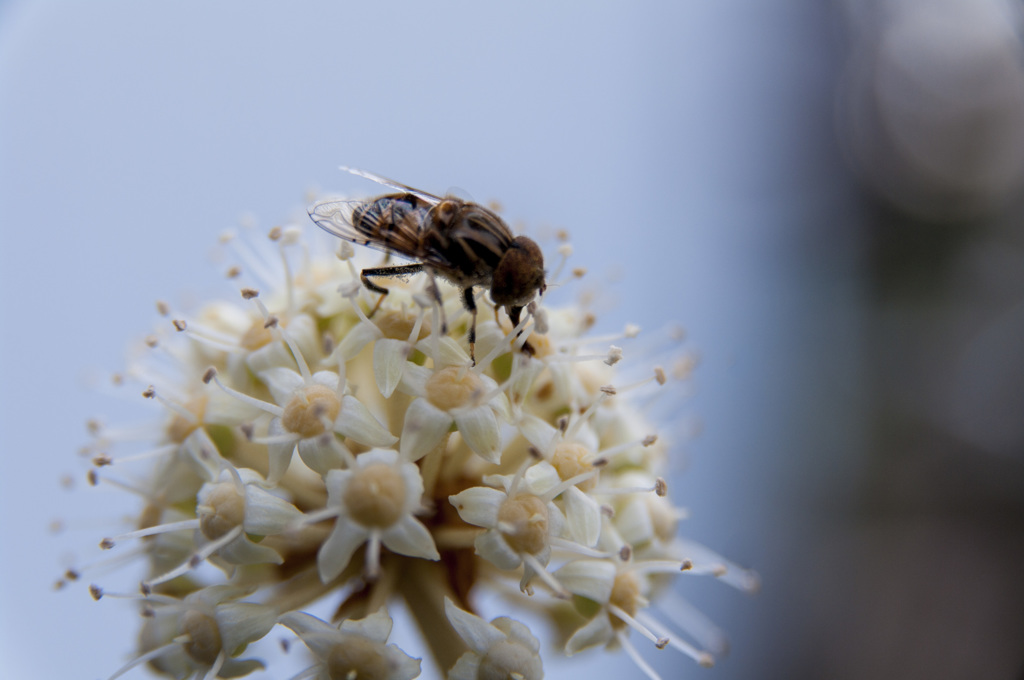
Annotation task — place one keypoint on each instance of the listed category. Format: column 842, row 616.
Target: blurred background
column 826, row 195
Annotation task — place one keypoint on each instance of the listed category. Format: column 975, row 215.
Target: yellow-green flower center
column 375, row 496
column 626, row 596
column 309, row 409
column 357, row 658
column 398, row 325
column 223, row 510
column 569, row 459
column 204, row 642
column 453, row 387
column 525, row 522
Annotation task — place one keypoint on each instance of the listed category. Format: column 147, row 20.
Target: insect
column 458, row 240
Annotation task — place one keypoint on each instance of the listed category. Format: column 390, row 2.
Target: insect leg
column 513, row 315
column 400, row 271
column 436, row 292
column 470, row 302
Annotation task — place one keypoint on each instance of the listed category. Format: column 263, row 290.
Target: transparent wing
column 335, row 217
column 379, row 179
column 382, row 228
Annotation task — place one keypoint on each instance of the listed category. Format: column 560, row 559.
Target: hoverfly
column 458, row 240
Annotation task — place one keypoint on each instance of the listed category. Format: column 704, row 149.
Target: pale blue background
column 686, row 145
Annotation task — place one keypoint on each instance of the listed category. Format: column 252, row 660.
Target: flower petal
column 282, row 383
column 376, row 626
column 279, row 454
column 479, row 428
column 479, row 505
column 337, row 550
column 592, row 579
column 492, row 547
column 423, row 429
column 583, row 517
column 598, row 631
column 320, row 455
column 389, row 360
column 266, row 513
column 356, row 421
column 356, row 339
column 243, row 622
column 409, row 537
column 473, row 630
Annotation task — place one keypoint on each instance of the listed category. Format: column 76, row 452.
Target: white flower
column 201, row 634
column 503, row 648
column 452, row 395
column 519, row 527
column 356, row 649
column 374, row 502
column 312, row 407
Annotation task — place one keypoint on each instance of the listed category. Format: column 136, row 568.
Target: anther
column 107, row 544
column 659, row 375
column 102, row 460
column 687, row 565
column 632, row 330
column 179, row 325
column 149, row 392
column 625, row 552
column 162, row 308
column 209, row 375
column 233, row 272
column 614, row 355
column 93, row 478
column 249, row 293
column 152, row 341
column 649, row 440
column 534, row 453
column 661, row 487
column 275, row 234
column 609, row 390
column 271, row 322
column 247, row 431
column 95, row 591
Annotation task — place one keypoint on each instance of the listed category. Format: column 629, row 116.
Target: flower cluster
column 321, row 443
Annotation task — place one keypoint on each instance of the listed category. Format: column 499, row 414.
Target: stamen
column 108, row 543
column 573, row 547
column 143, row 658
column 273, row 409
column 145, row 455
column 175, row 407
column 574, row 428
column 371, row 567
column 635, row 656
column 195, row 560
column 207, row 336
column 280, row 334
column 559, row 590
column 699, row 655
column 620, row 613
